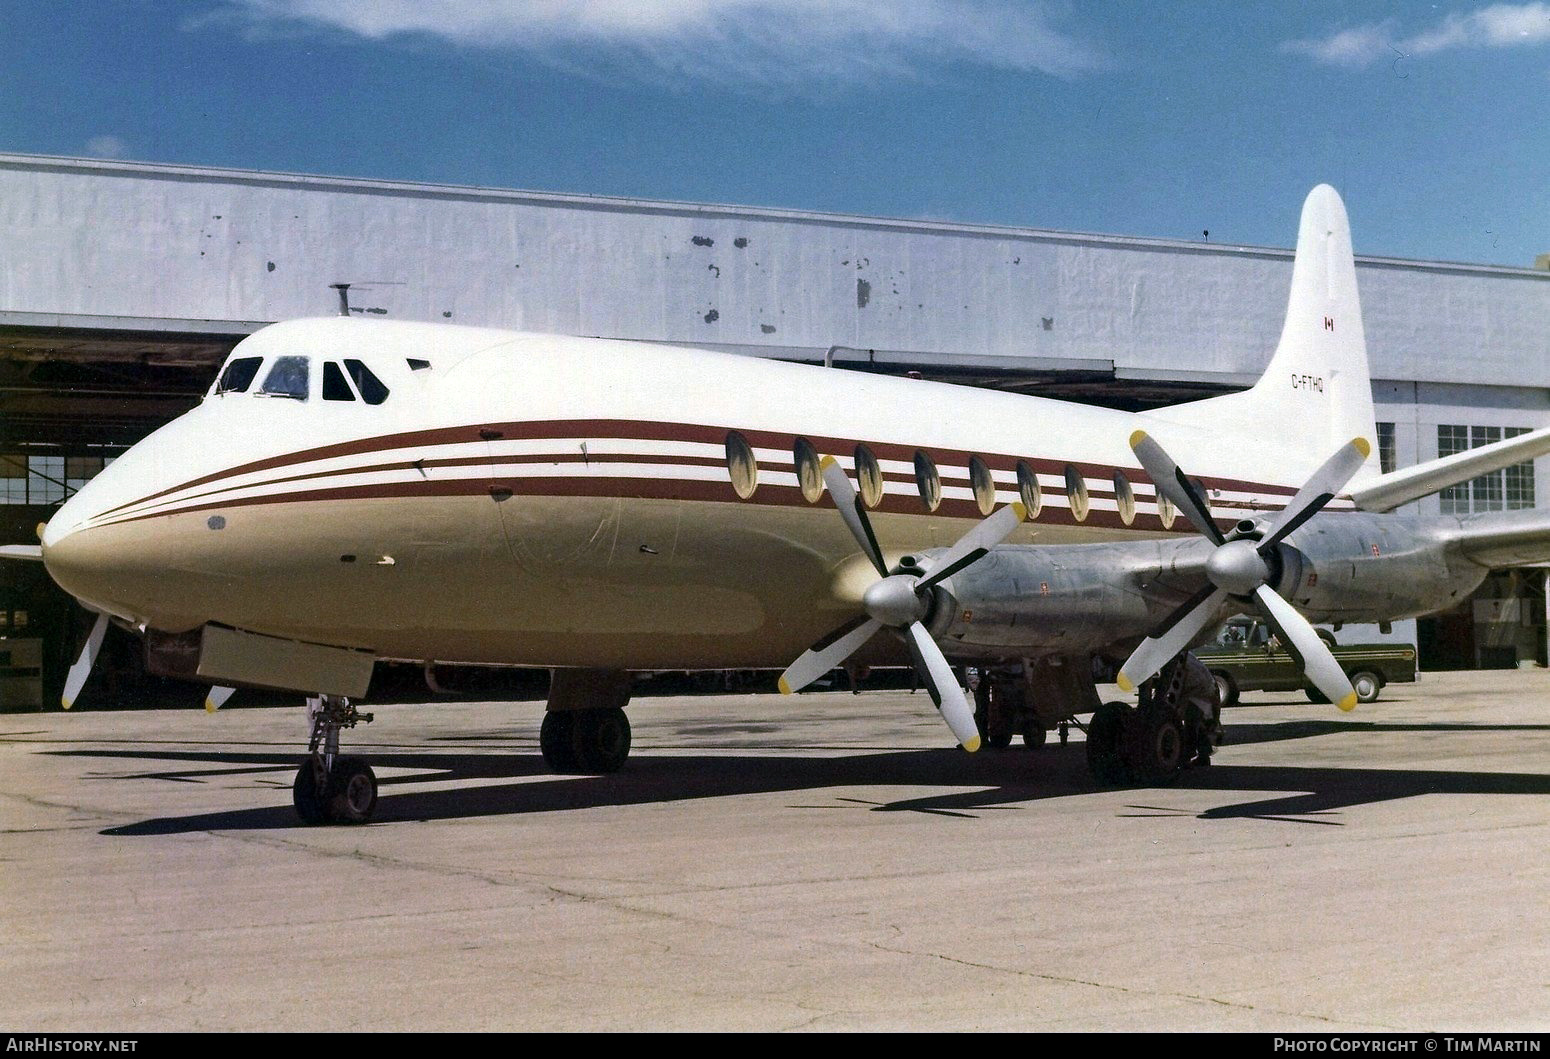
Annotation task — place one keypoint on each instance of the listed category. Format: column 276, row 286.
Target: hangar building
column 124, row 285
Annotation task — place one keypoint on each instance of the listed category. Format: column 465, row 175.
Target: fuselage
column 552, row 501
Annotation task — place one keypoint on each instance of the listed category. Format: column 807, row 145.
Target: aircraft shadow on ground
column 988, row 781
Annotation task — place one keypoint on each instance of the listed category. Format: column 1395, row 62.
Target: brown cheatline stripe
column 645, row 430
column 637, row 489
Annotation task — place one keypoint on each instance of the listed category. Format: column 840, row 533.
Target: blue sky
column 1157, row 119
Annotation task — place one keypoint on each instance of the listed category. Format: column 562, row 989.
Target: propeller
column 1241, row 568
column 901, row 599
column 75, row 680
column 217, row 697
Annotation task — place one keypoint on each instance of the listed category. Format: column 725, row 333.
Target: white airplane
column 355, row 490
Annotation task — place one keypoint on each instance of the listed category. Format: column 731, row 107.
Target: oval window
column 869, row 477
column 1076, row 493
column 928, row 481
column 984, row 485
column 1124, row 498
column 1028, row 486
column 1166, row 512
column 809, row 473
column 741, row 465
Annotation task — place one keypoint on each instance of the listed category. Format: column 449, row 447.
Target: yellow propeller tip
column 1124, row 682
column 972, row 745
column 785, row 688
column 826, row 462
column 1363, row 446
column 1348, row 703
column 1021, row 510
column 66, row 703
column 210, row 706
column 1136, row 438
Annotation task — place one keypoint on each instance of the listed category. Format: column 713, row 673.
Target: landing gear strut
column 332, row 788
column 1175, row 725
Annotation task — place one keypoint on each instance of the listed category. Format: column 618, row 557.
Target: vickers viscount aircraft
column 355, row 490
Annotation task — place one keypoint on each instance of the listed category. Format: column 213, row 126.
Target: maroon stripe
column 653, row 431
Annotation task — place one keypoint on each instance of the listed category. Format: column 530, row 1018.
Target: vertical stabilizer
column 1317, row 385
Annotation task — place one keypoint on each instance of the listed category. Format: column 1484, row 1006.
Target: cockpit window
column 238, row 375
column 372, row 390
column 288, row 378
column 334, row 386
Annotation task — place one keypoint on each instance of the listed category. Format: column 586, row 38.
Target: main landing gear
column 585, row 731
column 332, row 788
column 1175, row 725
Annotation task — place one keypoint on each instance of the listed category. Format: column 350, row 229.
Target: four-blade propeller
column 901, row 599
column 1241, row 568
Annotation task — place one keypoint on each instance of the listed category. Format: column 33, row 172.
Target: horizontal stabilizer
column 1400, row 487
column 1500, row 539
column 30, row 552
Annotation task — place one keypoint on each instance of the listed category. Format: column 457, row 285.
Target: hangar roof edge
column 170, row 171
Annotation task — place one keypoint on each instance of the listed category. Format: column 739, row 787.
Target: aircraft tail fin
column 1318, row 383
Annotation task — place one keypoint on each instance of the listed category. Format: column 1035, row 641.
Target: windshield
column 288, row 378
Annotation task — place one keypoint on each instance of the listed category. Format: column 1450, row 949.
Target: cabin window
column 869, row 476
column 741, row 465
column 416, row 364
column 1166, row 512
column 1076, row 493
column 984, row 485
column 334, row 386
column 288, row 378
column 1028, row 487
column 239, row 375
column 809, row 473
column 928, row 481
column 1124, row 498
column 372, row 390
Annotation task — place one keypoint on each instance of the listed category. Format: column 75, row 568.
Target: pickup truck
column 1246, row 656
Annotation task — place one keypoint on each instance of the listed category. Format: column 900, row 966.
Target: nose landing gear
column 331, row 788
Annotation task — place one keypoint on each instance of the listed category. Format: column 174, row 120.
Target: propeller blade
column 1172, row 483
column 852, row 510
column 942, row 683
column 217, row 698
column 827, row 653
column 75, row 680
column 1311, row 653
column 985, row 535
column 1317, row 491
column 1174, row 635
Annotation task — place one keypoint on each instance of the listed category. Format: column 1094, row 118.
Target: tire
column 311, row 806
column 556, row 741
column 352, row 791
column 601, row 740
column 1105, row 743
column 1034, row 735
column 1226, row 688
column 1158, row 749
column 1367, row 686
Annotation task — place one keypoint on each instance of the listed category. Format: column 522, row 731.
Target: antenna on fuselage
column 344, row 297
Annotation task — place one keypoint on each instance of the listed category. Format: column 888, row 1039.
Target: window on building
column 1507, row 489
column 1386, row 451
column 41, row 479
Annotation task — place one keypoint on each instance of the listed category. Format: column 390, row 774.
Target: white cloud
column 776, row 43
column 1497, row 26
column 106, row 147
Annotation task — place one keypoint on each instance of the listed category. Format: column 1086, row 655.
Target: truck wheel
column 1367, row 686
column 1226, row 688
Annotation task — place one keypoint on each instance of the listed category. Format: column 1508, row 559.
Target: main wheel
column 601, row 740
column 352, row 791
column 556, row 741
column 1367, row 686
column 1226, row 688
column 1105, row 740
column 311, row 805
column 1158, row 750
column 1034, row 734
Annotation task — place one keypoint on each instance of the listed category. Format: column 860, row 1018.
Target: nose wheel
column 332, row 788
